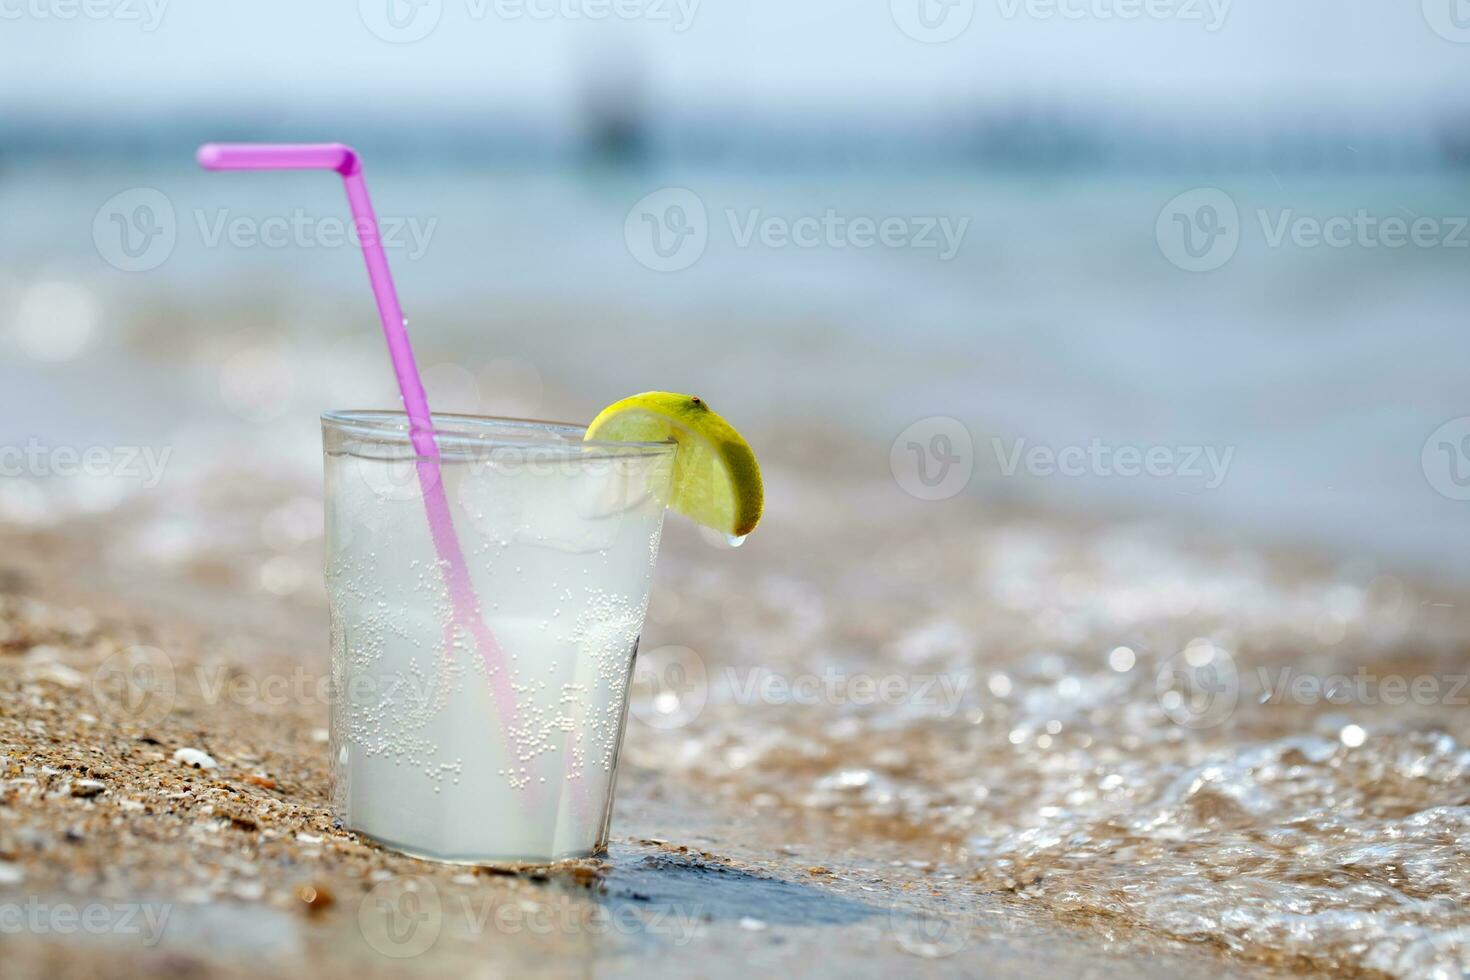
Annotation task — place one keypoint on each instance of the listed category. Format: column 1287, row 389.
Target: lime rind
column 716, row 479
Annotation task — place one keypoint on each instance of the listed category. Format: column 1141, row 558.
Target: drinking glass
column 485, row 729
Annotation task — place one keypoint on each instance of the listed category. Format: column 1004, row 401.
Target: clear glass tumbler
column 478, row 710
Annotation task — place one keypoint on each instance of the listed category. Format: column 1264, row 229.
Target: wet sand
column 121, row 856
column 962, row 742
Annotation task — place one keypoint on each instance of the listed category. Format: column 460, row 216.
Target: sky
column 758, row 55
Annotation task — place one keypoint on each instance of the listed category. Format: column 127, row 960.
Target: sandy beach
column 896, row 756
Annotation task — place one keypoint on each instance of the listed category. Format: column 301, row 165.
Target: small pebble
column 59, row 674
column 87, row 788
column 316, row 898
column 11, row 874
column 195, row 759
column 753, row 925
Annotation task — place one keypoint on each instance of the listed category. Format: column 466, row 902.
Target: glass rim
column 456, row 430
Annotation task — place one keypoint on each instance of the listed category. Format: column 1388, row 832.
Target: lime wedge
column 716, row 479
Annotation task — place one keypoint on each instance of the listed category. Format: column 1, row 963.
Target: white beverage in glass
column 560, row 538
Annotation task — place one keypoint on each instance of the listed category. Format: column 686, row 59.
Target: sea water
column 560, row 546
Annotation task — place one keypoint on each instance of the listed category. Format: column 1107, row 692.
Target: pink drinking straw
column 344, row 160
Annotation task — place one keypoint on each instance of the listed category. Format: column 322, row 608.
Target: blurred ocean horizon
column 1054, row 317
column 612, row 124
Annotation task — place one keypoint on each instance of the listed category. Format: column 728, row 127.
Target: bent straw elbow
column 280, row 156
